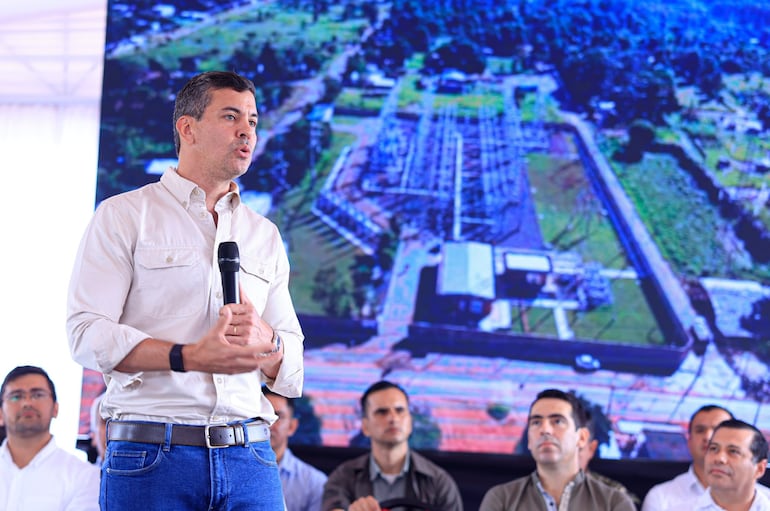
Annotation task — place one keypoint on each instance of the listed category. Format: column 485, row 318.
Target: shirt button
column 170, row 259
column 219, row 380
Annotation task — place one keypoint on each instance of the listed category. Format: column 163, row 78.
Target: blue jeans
column 138, row 476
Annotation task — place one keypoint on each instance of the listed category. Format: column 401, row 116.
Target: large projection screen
column 481, row 199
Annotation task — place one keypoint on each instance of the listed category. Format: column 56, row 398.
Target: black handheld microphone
column 229, row 264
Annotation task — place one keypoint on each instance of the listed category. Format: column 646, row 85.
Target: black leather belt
column 183, row 434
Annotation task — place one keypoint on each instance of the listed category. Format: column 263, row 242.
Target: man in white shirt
column 35, row 474
column 302, row 483
column 680, row 492
column 189, row 428
column 735, row 460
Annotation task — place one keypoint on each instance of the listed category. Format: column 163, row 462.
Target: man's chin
column 30, row 431
column 549, row 459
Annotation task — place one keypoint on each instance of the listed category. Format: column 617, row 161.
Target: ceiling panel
column 51, row 54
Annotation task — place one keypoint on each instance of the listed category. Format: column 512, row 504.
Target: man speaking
column 188, row 426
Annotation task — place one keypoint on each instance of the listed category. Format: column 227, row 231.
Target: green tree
column 332, row 292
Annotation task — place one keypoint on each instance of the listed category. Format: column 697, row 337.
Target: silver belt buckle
column 207, row 435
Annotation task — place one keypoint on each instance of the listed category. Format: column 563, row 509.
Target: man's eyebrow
column 238, row 111
column 551, row 416
column 728, row 445
column 386, row 408
column 28, row 390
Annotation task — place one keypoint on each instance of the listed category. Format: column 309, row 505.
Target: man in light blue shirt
column 302, row 483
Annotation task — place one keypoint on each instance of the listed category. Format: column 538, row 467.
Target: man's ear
column 760, row 471
column 185, row 129
column 583, row 436
column 293, row 425
column 592, row 446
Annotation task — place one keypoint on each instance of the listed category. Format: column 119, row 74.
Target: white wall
column 50, row 85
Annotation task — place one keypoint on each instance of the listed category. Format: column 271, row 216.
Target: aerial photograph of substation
column 483, row 198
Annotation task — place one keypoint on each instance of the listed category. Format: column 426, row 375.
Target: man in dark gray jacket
column 391, row 471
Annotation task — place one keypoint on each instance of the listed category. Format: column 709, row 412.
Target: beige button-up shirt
column 147, row 268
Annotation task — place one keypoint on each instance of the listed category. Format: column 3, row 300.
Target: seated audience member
column 302, row 484
column 35, row 474
column 98, row 431
column 586, row 454
column 736, row 458
column 680, row 492
column 391, row 470
column 555, row 433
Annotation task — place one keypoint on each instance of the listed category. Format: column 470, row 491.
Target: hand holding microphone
column 243, row 329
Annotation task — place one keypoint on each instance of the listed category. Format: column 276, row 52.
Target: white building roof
column 527, row 262
column 467, row 269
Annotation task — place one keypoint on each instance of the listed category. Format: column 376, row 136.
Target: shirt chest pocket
column 256, row 278
column 169, row 282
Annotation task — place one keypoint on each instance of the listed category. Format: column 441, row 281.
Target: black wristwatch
column 175, row 358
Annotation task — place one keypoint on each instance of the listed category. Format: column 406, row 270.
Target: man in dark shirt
column 392, row 470
column 556, row 432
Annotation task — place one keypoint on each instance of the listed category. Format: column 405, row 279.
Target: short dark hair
column 20, row 371
column 590, row 424
column 376, row 387
column 194, row 97
column 289, row 400
column 707, row 408
column 578, row 411
column 758, row 445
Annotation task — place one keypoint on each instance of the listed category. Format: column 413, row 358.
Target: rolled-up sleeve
column 280, row 315
column 100, row 281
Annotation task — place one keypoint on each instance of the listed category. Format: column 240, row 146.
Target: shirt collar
column 578, row 477
column 695, row 485
column 374, row 468
column 42, row 454
column 186, row 192
column 288, row 463
column 706, row 501
column 566, row 493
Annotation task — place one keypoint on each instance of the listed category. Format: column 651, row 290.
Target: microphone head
column 228, row 257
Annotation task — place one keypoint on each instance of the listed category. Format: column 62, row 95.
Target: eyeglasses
column 20, row 395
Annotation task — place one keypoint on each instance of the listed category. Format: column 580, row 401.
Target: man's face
column 284, row 427
column 701, row 429
column 730, row 466
column 28, row 407
column 224, row 138
column 388, row 421
column 552, row 436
